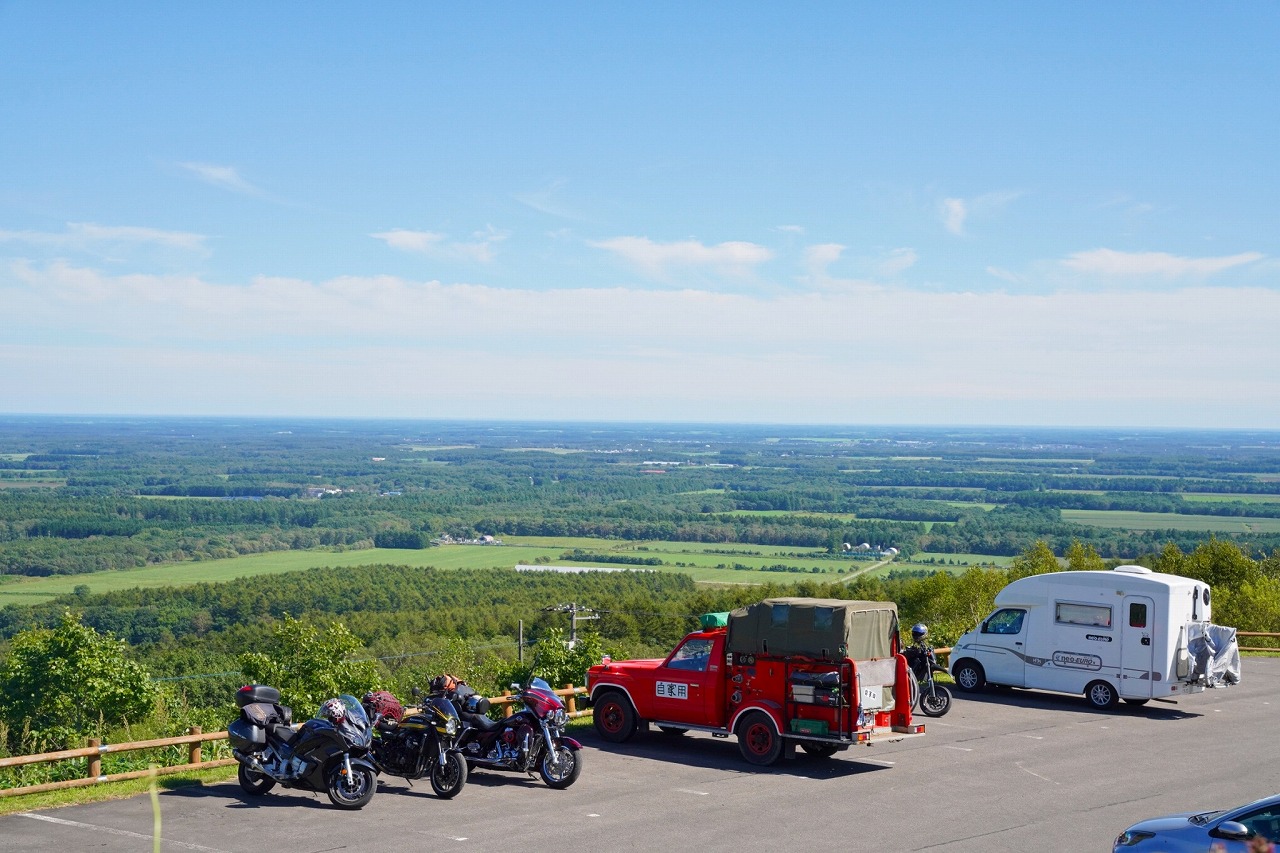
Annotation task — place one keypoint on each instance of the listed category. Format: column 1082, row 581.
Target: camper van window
column 1004, row 622
column 1137, row 615
column 822, row 618
column 779, row 614
column 1091, row 615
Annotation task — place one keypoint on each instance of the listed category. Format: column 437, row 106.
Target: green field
column 1170, row 521
column 1207, row 497
column 697, row 559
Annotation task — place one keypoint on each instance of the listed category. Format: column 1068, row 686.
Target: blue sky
column 979, row 213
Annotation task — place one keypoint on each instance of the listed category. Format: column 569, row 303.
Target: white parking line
column 126, row 833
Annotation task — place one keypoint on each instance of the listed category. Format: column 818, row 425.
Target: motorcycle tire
column 448, row 778
column 937, row 703
column 353, row 793
column 253, row 782
column 567, row 769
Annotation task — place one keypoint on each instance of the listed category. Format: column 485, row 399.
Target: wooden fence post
column 194, row 757
column 572, row 704
column 95, row 761
column 506, row 709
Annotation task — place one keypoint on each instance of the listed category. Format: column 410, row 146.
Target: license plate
column 873, row 697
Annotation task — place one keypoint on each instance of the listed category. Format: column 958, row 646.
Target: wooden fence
column 194, row 740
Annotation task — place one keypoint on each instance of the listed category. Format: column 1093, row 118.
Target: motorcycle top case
column 252, row 693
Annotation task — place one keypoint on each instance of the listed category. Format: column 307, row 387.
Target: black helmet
column 919, row 631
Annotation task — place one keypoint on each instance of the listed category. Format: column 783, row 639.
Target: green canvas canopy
column 829, row 628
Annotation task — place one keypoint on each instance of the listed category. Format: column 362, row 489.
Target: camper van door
column 1137, row 647
column 1004, row 646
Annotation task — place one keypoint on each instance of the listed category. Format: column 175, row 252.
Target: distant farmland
column 1170, row 521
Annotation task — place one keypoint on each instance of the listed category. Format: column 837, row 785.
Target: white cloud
column 385, row 346
column 479, row 250
column 897, row 261
column 734, row 258
column 547, row 200
column 1109, row 262
column 954, row 212
column 223, row 177
column 86, row 235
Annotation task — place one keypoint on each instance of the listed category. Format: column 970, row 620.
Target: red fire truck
column 821, row 674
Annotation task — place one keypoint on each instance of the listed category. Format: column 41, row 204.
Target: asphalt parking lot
column 1009, row 770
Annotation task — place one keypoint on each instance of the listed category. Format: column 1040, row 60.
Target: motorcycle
column 420, row 744
column 327, row 753
column 932, row 698
column 532, row 739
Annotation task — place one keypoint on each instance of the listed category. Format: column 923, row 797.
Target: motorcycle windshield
column 354, row 727
column 540, row 698
column 444, row 706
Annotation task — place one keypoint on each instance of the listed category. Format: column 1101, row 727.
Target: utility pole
column 573, row 610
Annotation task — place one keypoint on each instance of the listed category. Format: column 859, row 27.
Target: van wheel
column 758, row 741
column 614, row 718
column 1101, row 695
column 969, row 676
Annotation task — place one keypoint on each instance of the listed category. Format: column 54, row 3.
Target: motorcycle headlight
column 451, row 726
column 559, row 717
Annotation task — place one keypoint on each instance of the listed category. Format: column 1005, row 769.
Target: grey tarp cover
column 1215, row 652
column 829, row 628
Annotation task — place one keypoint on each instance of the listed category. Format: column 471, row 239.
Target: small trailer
column 821, row 674
column 1128, row 633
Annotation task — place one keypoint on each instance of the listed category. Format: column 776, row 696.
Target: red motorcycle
column 532, row 739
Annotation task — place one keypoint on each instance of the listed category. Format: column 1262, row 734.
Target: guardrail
column 195, row 739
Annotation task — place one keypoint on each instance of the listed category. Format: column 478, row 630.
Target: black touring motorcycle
column 327, row 753
column 932, row 698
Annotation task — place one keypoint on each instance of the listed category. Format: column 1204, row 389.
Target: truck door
column 687, row 682
column 1003, row 645
column 1137, row 652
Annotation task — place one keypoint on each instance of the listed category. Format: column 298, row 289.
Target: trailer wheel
column 1101, row 695
column 614, row 718
column 758, row 740
column 969, row 676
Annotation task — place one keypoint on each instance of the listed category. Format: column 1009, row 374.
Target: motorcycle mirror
column 515, row 687
column 416, row 692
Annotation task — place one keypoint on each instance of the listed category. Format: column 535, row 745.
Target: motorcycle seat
column 479, row 721
column 284, row 732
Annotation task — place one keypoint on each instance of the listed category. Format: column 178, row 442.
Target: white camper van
column 1129, row 633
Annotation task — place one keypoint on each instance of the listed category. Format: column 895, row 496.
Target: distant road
column 1009, row 771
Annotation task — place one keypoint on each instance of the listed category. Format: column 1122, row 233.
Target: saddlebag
column 245, row 736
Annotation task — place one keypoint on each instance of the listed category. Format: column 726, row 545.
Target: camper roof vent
column 1133, row 570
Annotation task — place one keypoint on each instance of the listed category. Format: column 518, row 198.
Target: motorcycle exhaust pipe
column 249, row 761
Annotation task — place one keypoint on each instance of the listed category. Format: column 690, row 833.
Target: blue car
column 1226, row 831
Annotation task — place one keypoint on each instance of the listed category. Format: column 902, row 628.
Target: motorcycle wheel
column 567, row 769
column 448, row 778
column 353, row 793
column 253, row 782
column 937, row 703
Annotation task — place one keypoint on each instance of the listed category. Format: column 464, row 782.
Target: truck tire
column 614, row 718
column 969, row 676
column 1101, row 695
column 758, row 740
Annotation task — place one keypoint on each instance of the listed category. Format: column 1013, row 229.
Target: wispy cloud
column 223, row 177
column 547, row 200
column 87, row 235
column 735, row 258
column 956, row 212
column 1112, row 263
column 897, row 261
column 434, row 244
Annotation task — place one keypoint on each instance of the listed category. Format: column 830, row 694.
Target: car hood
column 1167, row 823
